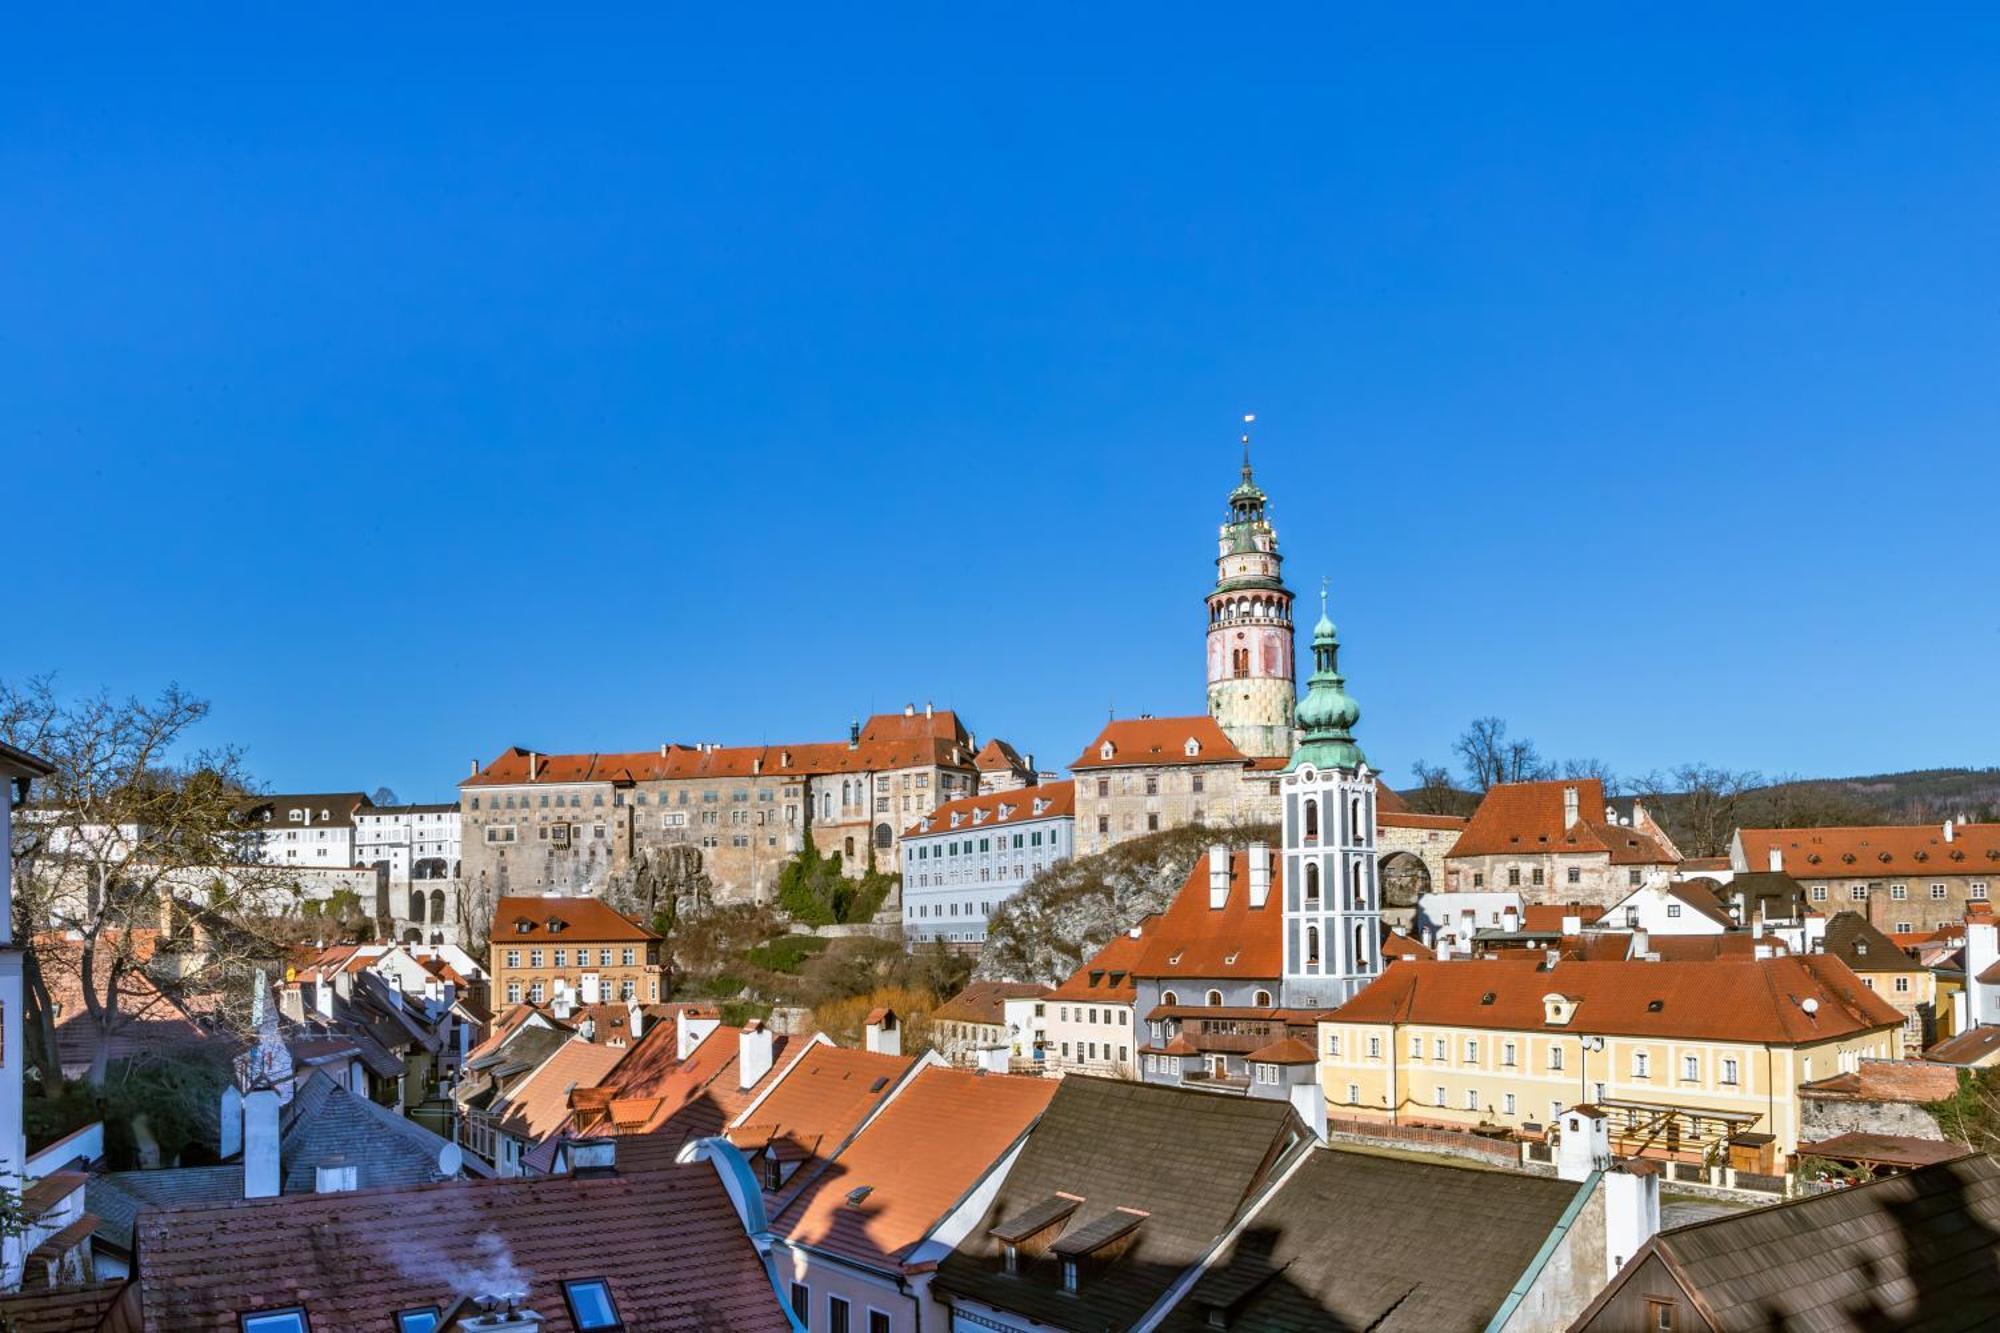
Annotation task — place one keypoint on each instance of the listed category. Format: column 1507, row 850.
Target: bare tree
column 1434, row 793
column 1701, row 806
column 1491, row 758
column 385, row 796
column 130, row 845
column 1593, row 768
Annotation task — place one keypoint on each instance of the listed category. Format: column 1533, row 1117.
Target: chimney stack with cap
column 1569, row 807
column 1775, row 860
column 1260, row 873
column 1218, row 877
column 753, row 1054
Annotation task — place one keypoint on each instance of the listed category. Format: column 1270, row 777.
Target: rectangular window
column 878, row 1322
column 1437, row 1095
column 1898, row 892
column 801, row 1301
column 1471, row 1051
column 1728, row 1072
column 1507, row 1104
column 1507, row 1054
column 1859, row 893
column 1438, row 1049
column 1575, row 874
column 1642, row 1064
column 1691, row 1068
column 1472, row 1099
column 1902, row 985
column 836, row 1315
column 513, row 958
column 1416, row 1048
column 417, row 1321
column 291, row 1320
column 534, row 958
column 1354, row 1094
column 590, row 1306
column 1977, row 892
column 1819, row 893
column 1937, row 891
column 1374, row 1048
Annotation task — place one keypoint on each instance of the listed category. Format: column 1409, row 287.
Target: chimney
column 1631, row 1211
column 587, row 1029
column 560, row 1005
column 1948, row 827
column 1642, row 943
column 1309, row 1100
column 910, row 710
column 753, row 1054
column 1572, row 923
column 1218, row 877
column 690, row 1029
column 854, row 734
column 1260, row 873
column 635, row 1020
column 533, row 765
column 1569, row 807
column 1510, row 918
column 489, row 1314
column 475, row 768
column 885, row 1032
column 1775, row 859
column 260, row 1143
column 663, row 749
column 231, row 1121
column 993, row 1059
column 1586, row 1143
column 927, row 708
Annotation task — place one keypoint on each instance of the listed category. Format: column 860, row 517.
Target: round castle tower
column 1252, row 678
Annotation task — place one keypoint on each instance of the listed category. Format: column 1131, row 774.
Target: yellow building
column 1909, row 986
column 1684, row 1056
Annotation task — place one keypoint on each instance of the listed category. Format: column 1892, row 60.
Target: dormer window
column 1192, row 748
column 1106, row 750
column 1557, row 1009
column 297, row 816
column 1040, row 805
column 1069, row 1275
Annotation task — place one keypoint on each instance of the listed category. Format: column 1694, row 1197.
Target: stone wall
column 1825, row 1117
column 1132, row 802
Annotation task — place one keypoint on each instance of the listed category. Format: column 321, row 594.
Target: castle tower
column 1333, row 898
column 1252, row 683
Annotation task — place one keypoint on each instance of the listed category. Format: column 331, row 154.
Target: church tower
column 1252, row 683
column 1333, row 902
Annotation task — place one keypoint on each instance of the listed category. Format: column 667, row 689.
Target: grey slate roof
column 1350, row 1241
column 1913, row 1252
column 1853, row 941
column 323, row 1121
column 1190, row 1160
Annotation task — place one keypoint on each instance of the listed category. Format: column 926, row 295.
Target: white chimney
column 1260, row 873
column 1631, row 1212
column 261, row 1174
column 993, row 1059
column 475, row 768
column 1775, row 859
column 533, row 765
column 1510, row 918
column 1572, row 923
column 1586, row 1143
column 1443, row 948
column 1309, row 1100
column 1948, row 826
column 231, row 1120
column 1642, row 943
column 593, row 988
column 885, row 1032
column 1218, row 877
column 689, row 1031
column 753, row 1054
column 1569, row 807
column 635, row 1020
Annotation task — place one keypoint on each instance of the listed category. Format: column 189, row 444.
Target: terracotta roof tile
column 1724, row 1000
column 1888, row 1081
column 1191, row 939
column 526, row 919
column 1284, row 1051
column 1527, row 817
column 540, row 1104
column 1108, row 976
column 820, row 1100
column 1057, row 800
column 680, row 762
column 1886, row 849
column 1161, row 740
column 986, row 1001
column 966, row 1121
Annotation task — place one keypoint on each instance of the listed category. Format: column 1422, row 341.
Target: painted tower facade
column 1252, row 679
column 1333, row 897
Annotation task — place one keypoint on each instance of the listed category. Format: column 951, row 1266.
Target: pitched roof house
column 1558, row 841
column 1916, row 1251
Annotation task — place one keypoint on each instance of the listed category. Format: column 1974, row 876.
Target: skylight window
column 417, row 1321
column 590, row 1306
column 289, row 1320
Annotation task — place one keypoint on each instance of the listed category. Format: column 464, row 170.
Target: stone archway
column 1405, row 878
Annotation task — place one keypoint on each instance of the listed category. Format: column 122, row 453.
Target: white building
column 310, row 831
column 414, row 841
column 1662, row 908
column 965, row 858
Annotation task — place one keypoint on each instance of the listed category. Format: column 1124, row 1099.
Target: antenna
column 1248, row 419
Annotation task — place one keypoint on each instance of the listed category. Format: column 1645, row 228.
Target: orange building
column 548, row 948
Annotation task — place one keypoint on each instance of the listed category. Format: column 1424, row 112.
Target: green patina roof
column 1328, row 712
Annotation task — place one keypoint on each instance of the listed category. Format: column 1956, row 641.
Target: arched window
column 1312, row 883
column 850, row 849
column 1168, row 997
column 1312, row 946
column 884, row 835
column 1355, row 833
column 437, row 905
column 1263, row 999
column 1312, row 818
column 1360, row 947
column 1215, row 999
column 417, row 905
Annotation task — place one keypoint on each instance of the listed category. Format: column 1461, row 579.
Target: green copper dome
column 1328, row 712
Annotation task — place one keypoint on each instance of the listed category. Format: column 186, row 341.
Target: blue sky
column 412, row 386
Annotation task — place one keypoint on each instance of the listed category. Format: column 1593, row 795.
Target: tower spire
column 1328, row 713
column 1248, row 418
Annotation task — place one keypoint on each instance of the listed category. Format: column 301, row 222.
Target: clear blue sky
column 416, row 384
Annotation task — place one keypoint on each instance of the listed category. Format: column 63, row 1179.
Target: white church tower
column 1333, row 905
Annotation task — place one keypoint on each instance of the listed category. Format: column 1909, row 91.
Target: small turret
column 1328, row 713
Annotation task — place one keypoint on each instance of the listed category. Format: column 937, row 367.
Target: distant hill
column 1894, row 798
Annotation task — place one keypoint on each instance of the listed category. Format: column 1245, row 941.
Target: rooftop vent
column 856, row 1196
column 1655, row 1006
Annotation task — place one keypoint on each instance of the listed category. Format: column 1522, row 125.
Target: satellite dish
column 1809, row 1004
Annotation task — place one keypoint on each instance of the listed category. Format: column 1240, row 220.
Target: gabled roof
column 1160, row 740
column 525, row 920
column 878, row 753
column 996, row 756
column 668, row 1243
column 58, row 1310
column 1853, row 941
column 313, row 808
column 1969, row 1047
column 1729, row 999
column 1911, row 1251
column 1188, row 1161
column 986, row 1002
column 1107, row 977
column 1349, row 1240
column 537, row 1107
column 1021, row 805
column 1878, row 849
column 1527, row 818
column 966, row 1121
column 1192, row 939
column 811, row 1110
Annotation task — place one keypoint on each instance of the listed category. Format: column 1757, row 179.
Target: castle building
column 1333, row 907
column 1252, row 681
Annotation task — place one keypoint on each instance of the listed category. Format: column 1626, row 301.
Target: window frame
column 298, row 1312
column 569, row 1288
column 430, row 1312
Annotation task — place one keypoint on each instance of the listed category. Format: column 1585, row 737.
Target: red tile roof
column 679, row 762
column 819, row 1102
column 1820, row 853
column 1107, row 977
column 701, row 1095
column 1191, row 939
column 1888, row 1081
column 538, row 1106
column 1527, row 817
column 148, row 1018
column 1057, row 800
column 669, row 1244
column 1386, row 818
column 1723, row 1000
column 965, row 1122
column 996, row 756
column 932, row 724
column 986, row 1002
column 526, row 921
column 1284, row 1051
column 1404, row 946
column 1161, row 740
